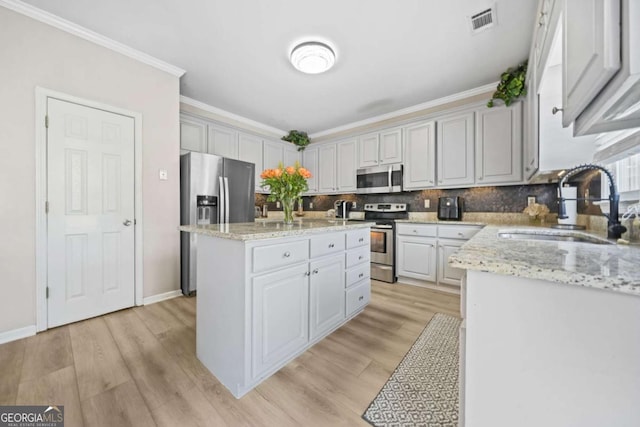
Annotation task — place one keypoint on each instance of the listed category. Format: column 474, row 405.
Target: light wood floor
column 138, row 367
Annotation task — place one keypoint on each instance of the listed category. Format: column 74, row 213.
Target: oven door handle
column 382, row 227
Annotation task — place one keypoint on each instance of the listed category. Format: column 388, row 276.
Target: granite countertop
column 269, row 229
column 612, row 267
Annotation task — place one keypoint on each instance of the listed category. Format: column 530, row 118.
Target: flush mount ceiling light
column 312, row 57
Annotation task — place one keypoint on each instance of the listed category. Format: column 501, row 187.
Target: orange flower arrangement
column 286, row 185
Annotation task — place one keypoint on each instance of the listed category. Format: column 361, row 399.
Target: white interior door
column 90, row 224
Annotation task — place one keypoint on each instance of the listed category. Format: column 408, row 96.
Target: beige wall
column 35, row 54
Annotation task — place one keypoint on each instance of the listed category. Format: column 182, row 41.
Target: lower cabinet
column 417, row 258
column 447, row 274
column 326, row 301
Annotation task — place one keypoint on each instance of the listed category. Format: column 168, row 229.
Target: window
column 627, row 175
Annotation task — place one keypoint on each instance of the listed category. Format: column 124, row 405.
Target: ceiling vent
column 483, row 20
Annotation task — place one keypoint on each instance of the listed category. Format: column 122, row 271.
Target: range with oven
column 383, row 237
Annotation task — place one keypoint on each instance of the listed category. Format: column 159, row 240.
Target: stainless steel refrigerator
column 213, row 190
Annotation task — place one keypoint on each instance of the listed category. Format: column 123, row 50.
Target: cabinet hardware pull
column 307, row 273
column 315, row 271
column 360, row 257
column 415, row 231
column 361, row 298
column 480, row 178
column 556, row 110
column 361, row 239
column 361, row 275
column 331, row 245
column 460, row 234
column 287, row 254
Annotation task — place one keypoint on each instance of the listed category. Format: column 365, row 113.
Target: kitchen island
column 268, row 291
column 551, row 332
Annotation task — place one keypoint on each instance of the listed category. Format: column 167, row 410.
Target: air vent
column 483, row 20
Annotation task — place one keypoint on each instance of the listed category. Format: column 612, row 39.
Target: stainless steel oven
column 383, row 238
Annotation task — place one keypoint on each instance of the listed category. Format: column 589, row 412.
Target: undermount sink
column 552, row 236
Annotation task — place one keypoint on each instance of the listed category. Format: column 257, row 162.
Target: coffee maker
column 450, row 208
column 342, row 208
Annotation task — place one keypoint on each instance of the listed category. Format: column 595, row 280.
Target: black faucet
column 614, row 229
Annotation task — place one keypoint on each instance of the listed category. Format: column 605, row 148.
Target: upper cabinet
column 193, row 135
column 419, row 154
column 291, row 155
column 347, row 160
column 250, row 150
column 592, row 52
column 380, row 148
column 499, row 145
column 456, row 150
column 327, row 169
column 310, row 161
column 273, row 154
column 223, row 142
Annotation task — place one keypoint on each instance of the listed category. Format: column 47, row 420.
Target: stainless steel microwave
column 379, row 179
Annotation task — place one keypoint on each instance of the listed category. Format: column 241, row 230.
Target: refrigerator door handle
column 221, row 204
column 226, row 200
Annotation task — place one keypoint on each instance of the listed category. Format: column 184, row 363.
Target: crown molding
column 231, row 116
column 84, row 33
column 409, row 110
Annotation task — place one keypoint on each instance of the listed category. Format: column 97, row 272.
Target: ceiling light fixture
column 312, row 57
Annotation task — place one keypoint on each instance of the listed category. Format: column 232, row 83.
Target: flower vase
column 287, row 209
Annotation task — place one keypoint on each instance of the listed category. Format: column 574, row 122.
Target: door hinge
column 46, row 207
column 47, row 292
column 46, row 121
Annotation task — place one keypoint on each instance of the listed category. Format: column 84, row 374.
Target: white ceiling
column 391, row 54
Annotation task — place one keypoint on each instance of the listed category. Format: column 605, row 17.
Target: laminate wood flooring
column 138, row 367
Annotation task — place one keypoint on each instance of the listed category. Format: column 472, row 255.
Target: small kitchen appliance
column 383, row 237
column 342, row 208
column 450, row 208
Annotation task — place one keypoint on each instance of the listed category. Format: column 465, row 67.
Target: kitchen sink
column 554, row 236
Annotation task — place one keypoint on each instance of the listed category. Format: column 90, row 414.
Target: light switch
column 310, row 205
column 163, row 175
column 277, row 204
column 427, row 203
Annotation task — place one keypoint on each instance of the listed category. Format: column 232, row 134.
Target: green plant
column 511, row 85
column 301, row 139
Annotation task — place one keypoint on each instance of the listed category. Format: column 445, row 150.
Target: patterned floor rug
column 423, row 390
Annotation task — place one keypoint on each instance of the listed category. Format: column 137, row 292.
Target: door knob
column 126, row 222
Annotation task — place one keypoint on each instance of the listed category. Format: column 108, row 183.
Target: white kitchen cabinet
column 222, row 142
column 273, row 154
column 193, row 135
column 499, row 145
column 455, row 150
column 446, row 274
column 310, row 162
column 327, row 299
column 327, row 169
column 419, row 155
column 591, row 30
column 280, row 306
column 380, row 148
column 291, row 155
column 416, row 258
column 531, row 144
column 250, row 150
column 347, row 160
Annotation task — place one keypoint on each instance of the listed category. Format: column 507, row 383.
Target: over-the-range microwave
column 617, row 106
column 379, row 179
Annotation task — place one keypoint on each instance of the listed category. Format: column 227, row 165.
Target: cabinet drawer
column 358, row 256
column 358, row 238
column 358, row 297
column 358, row 274
column 269, row 257
column 462, row 232
column 328, row 244
column 427, row 230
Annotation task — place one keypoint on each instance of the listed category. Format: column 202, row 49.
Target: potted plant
column 511, row 85
column 301, row 139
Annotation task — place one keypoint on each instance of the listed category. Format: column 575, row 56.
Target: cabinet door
column 326, row 300
column 193, row 135
column 420, row 151
column 446, row 274
column 280, row 313
column 310, row 161
column 273, row 154
column 390, row 147
column 416, row 258
column 530, row 151
column 223, row 142
column 291, row 155
column 347, row 165
column 499, row 145
column 250, row 150
column 455, row 150
column 592, row 52
column 368, row 150
column 327, row 169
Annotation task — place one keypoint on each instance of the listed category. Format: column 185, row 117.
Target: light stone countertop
column 611, row 267
column 269, row 229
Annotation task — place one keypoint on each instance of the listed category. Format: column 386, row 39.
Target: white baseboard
column 161, row 297
column 16, row 334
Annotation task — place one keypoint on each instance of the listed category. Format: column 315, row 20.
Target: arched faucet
column 614, row 229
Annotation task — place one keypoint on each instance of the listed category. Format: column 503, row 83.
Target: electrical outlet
column 354, row 205
column 310, row 205
column 163, row 175
column 427, row 203
column 277, row 204
column 531, row 200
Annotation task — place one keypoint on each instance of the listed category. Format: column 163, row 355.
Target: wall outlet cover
column 310, row 205
column 277, row 204
column 427, row 203
column 163, row 175
column 531, row 200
